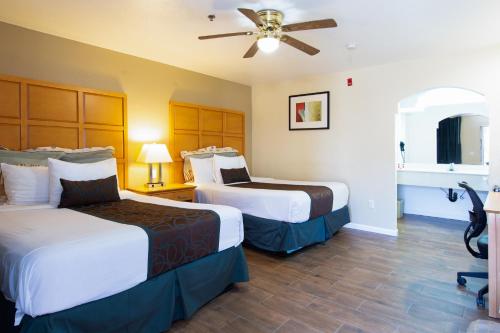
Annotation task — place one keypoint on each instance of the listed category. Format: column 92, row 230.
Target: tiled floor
column 357, row 282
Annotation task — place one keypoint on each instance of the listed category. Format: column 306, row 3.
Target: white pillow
column 76, row 171
column 203, row 170
column 26, row 185
column 227, row 162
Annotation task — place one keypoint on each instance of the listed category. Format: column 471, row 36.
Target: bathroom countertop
column 459, row 169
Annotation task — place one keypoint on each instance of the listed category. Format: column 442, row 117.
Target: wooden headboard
column 38, row 114
column 196, row 126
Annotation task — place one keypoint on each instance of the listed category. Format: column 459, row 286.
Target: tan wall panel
column 184, row 142
column 10, row 136
column 106, row 110
column 234, row 142
column 234, row 123
column 37, row 113
column 210, row 140
column 121, row 174
column 10, row 102
column 185, row 118
column 103, row 138
column 211, row 121
column 43, row 136
column 47, row 103
column 191, row 129
column 178, row 172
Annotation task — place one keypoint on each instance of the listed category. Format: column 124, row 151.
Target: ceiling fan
column 271, row 31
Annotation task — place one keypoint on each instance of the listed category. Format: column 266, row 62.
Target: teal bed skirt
column 278, row 236
column 151, row 306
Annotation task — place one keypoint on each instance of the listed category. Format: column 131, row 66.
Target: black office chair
column 477, row 225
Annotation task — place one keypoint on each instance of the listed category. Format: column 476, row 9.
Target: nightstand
column 179, row 192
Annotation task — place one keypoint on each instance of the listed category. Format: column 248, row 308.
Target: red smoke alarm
column 349, row 81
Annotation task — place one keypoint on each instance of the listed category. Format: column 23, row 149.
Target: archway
column 442, row 137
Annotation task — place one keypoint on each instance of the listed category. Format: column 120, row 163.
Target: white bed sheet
column 54, row 259
column 286, row 206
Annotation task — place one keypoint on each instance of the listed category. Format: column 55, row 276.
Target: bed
column 279, row 215
column 60, row 268
column 74, row 269
column 286, row 206
column 274, row 220
column 279, row 220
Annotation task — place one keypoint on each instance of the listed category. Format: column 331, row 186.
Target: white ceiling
column 166, row 31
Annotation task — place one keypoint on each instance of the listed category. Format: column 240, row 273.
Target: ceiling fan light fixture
column 271, row 31
column 268, row 44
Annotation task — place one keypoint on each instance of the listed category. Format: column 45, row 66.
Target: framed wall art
column 309, row 111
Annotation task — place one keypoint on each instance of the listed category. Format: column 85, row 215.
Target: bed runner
column 321, row 196
column 176, row 235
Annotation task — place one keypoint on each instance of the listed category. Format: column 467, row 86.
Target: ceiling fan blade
column 299, row 45
column 252, row 15
column 251, row 51
column 319, row 24
column 231, row 34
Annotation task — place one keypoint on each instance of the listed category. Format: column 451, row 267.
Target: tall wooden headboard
column 38, row 114
column 196, row 126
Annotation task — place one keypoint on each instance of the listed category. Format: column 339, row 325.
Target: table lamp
column 154, row 153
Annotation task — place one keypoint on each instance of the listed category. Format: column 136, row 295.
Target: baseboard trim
column 459, row 217
column 364, row 227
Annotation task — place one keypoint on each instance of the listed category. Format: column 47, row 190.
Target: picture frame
column 309, row 111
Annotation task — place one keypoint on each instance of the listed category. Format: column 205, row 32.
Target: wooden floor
column 357, row 282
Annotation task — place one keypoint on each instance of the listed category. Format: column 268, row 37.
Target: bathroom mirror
column 443, row 126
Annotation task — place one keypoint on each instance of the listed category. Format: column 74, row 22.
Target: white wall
column 359, row 147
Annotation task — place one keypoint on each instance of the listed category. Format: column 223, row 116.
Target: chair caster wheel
column 480, row 302
column 461, row 281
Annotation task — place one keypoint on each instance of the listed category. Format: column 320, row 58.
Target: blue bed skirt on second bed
column 151, row 306
column 278, row 236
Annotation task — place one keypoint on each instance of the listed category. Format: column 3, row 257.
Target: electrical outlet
column 371, row 204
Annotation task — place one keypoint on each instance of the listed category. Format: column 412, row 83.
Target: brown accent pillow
column 87, row 192
column 239, row 175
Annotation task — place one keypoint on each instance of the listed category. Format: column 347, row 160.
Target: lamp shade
column 268, row 44
column 154, row 153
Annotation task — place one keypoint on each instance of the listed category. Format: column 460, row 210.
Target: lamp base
column 155, row 184
column 159, row 180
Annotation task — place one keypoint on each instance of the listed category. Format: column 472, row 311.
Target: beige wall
column 359, row 149
column 149, row 85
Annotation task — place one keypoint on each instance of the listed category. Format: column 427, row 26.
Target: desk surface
column 492, row 204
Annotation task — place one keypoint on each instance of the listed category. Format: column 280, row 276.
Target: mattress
column 285, row 206
column 54, row 259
